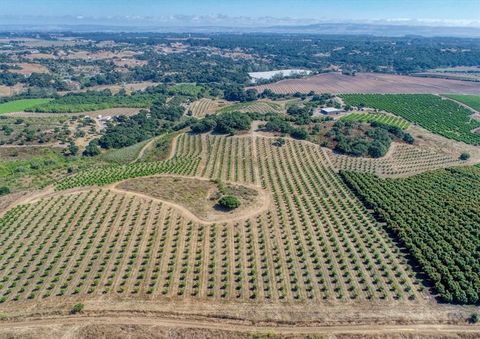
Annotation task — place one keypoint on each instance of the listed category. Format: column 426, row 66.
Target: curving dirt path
column 144, row 149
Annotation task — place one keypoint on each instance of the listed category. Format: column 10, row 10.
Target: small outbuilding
column 331, row 111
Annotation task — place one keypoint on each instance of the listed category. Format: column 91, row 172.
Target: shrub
column 229, row 201
column 77, row 308
column 299, row 133
column 4, row 190
column 464, row 156
column 474, row 318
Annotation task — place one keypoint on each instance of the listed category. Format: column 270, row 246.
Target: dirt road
column 74, row 323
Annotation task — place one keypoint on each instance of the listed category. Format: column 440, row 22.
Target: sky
column 455, row 12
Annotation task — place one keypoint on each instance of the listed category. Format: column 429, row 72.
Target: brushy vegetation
column 225, row 123
column 438, row 115
column 229, row 202
column 436, row 216
column 21, row 105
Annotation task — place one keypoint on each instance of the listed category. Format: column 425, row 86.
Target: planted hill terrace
column 436, row 216
column 402, row 160
column 440, row 116
column 472, row 101
column 115, row 173
column 205, row 106
column 316, row 242
column 253, row 107
column 382, row 118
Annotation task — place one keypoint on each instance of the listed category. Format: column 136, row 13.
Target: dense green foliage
column 438, row 115
column 127, row 131
column 96, row 100
column 373, row 142
column 21, row 105
column 225, row 123
column 436, row 216
column 229, row 202
column 382, row 118
column 4, row 190
column 472, row 101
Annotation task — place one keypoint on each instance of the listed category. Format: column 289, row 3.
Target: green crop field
column 436, row 216
column 438, row 115
column 382, row 118
column 21, row 105
column 472, row 101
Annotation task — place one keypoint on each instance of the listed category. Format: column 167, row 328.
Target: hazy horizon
column 459, row 13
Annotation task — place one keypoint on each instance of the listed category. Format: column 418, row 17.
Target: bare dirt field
column 11, row 90
column 29, row 68
column 371, row 83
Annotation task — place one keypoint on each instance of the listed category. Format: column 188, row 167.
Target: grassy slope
column 124, row 155
column 21, row 105
column 470, row 100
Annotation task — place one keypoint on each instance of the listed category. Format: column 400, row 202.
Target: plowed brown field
column 371, row 83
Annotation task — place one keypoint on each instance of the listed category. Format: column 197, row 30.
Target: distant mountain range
column 225, row 24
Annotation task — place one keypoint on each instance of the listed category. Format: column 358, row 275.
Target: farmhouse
column 331, row 110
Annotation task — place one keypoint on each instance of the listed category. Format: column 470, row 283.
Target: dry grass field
column 371, row 83
column 29, row 68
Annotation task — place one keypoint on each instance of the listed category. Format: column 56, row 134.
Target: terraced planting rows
column 382, row 118
column 472, row 101
column 316, row 242
column 224, row 158
column 253, row 107
column 108, row 175
column 204, row 106
column 403, row 160
column 440, row 116
column 436, row 216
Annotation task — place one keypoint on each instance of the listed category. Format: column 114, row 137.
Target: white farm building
column 331, row 111
column 282, row 73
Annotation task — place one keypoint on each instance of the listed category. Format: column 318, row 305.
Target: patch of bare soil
column 29, row 68
column 11, row 90
column 428, row 140
column 9, row 200
column 197, row 196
